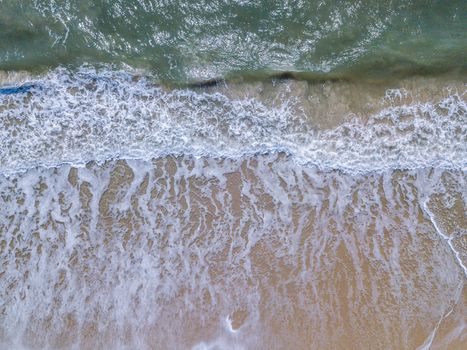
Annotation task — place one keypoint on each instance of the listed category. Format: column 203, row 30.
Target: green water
column 186, row 41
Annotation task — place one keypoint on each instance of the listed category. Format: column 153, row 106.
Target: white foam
column 98, row 115
column 218, row 344
column 228, row 325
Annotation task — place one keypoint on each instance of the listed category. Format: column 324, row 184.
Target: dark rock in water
column 284, row 76
column 206, row 83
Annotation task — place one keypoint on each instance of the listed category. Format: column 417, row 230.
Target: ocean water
column 184, row 41
column 233, row 175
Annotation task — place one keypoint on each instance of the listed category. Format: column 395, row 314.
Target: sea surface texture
column 233, row 174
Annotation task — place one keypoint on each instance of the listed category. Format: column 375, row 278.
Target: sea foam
column 95, row 115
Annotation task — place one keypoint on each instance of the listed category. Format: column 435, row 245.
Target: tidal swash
column 233, row 174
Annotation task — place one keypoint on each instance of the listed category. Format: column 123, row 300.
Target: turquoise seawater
column 187, row 41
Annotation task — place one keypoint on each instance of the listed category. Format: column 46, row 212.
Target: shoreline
column 249, row 77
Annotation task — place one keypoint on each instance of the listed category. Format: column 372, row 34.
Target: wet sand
column 258, row 252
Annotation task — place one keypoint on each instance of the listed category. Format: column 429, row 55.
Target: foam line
column 90, row 115
column 445, row 237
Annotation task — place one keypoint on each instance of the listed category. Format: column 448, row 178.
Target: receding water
column 256, row 252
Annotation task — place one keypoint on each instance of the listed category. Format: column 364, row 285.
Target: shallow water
column 235, row 216
column 256, row 252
